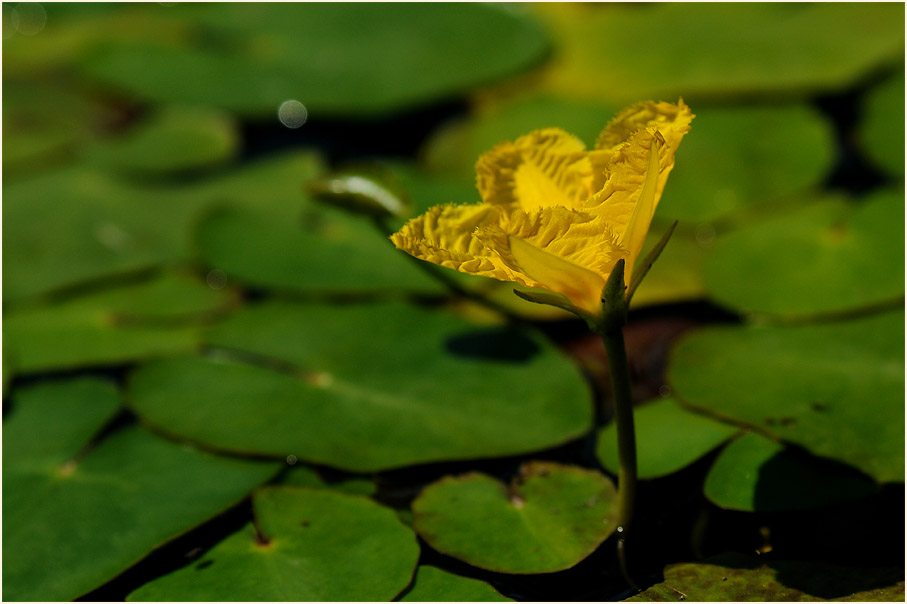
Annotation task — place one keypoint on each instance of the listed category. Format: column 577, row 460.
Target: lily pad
column 148, row 319
column 63, row 502
column 435, row 585
column 363, row 59
column 367, row 387
column 739, row 578
column 722, row 169
column 882, row 126
column 836, row 389
column 827, row 258
column 326, row 250
column 669, row 438
column 549, row 519
column 306, row 546
column 171, row 141
column 717, row 50
column 77, row 225
column 755, row 474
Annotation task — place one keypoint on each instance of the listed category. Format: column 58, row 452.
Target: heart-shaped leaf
column 827, row 258
column 836, row 389
column 95, row 512
column 882, row 125
column 550, row 518
column 305, row 545
column 354, row 60
column 367, row 387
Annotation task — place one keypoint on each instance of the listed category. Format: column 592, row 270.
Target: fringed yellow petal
column 565, row 251
column 545, row 168
column 673, row 121
column 444, row 236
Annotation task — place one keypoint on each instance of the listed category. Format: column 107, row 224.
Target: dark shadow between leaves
column 493, row 344
column 795, row 480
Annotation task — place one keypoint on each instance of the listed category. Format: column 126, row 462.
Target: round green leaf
column 668, row 439
column 549, row 519
column 357, row 59
column 755, row 474
column 141, row 489
column 305, row 546
column 715, row 50
column 173, row 140
column 882, row 126
column 367, row 387
column 137, row 321
column 76, row 225
column 740, row 578
column 435, row 585
column 825, row 258
column 326, row 250
column 836, row 389
column 721, row 169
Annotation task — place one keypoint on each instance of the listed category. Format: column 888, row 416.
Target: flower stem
column 626, row 441
column 611, row 329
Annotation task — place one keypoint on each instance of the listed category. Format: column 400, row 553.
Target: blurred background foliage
column 183, row 322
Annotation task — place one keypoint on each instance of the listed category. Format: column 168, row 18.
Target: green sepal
column 647, row 262
column 614, row 303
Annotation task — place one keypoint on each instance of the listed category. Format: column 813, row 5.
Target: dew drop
column 292, row 114
column 291, row 459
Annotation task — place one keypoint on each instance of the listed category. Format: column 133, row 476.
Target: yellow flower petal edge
column 555, row 215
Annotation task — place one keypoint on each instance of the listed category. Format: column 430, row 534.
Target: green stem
column 626, row 439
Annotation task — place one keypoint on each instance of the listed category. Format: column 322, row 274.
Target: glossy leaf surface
column 313, row 546
column 367, row 387
column 548, row 519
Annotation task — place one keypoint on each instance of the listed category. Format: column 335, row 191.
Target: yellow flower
column 555, row 215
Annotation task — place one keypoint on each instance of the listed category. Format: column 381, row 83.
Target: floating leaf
column 76, row 225
column 338, row 60
column 63, row 504
column 716, row 50
column 313, row 546
column 825, row 258
column 137, row 321
column 669, row 438
column 549, row 519
column 677, row 274
column 435, row 585
column 836, row 389
column 367, row 387
column 326, row 250
column 739, row 578
column 755, row 474
column 722, row 169
column 882, row 126
column 173, row 140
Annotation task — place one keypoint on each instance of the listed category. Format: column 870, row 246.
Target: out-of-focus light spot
column 216, row 278
column 706, row 235
column 292, row 114
column 10, row 21
column 31, row 18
